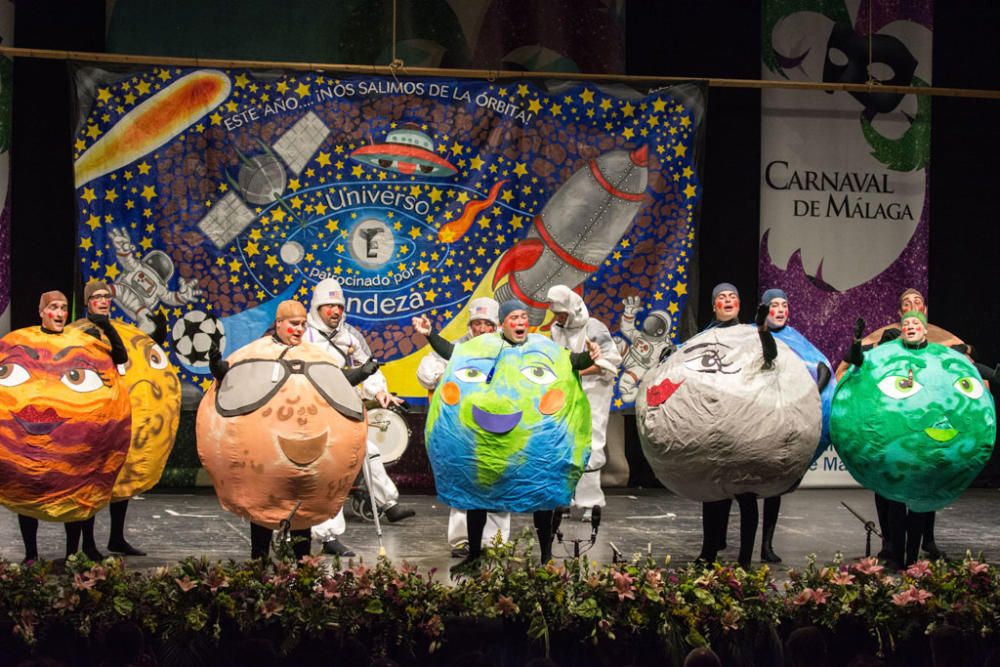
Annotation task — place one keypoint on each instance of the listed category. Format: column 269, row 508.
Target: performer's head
column 914, row 326
column 567, row 307
column 483, row 316
column 726, row 302
column 911, row 299
column 290, row 322
column 777, row 307
column 514, row 320
column 328, row 302
column 53, row 308
column 98, row 297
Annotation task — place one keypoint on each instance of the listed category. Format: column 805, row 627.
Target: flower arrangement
column 399, row 610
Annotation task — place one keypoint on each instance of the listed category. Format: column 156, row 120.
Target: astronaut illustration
column 642, row 348
column 143, row 283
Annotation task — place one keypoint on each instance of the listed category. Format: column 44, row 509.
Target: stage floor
column 171, row 526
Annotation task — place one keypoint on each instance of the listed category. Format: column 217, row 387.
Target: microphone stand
column 578, row 549
column 283, row 546
column 869, row 529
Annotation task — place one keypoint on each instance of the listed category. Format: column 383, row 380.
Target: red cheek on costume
column 291, row 330
column 552, row 402
column 450, row 393
column 773, row 312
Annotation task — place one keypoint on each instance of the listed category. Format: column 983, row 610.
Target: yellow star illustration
column 144, row 168
column 587, row 96
column 690, row 191
column 149, row 192
column 534, row 106
column 520, row 169
column 323, row 159
column 111, row 271
column 681, row 289
column 93, row 222
column 282, row 87
column 88, row 195
column 241, row 81
column 302, row 90
column 628, row 110
column 680, row 150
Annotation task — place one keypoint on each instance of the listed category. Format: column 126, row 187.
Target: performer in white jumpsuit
column 572, row 329
column 483, row 318
column 326, row 328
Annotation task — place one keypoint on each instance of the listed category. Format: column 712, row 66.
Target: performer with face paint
column 510, row 426
column 483, row 319
column 53, row 311
column 776, row 301
column 327, row 328
column 573, row 328
column 289, row 330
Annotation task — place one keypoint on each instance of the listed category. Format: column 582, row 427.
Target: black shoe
column 93, row 554
column 932, row 552
column 397, row 513
column 335, row 547
column 124, row 548
column 767, row 555
column 461, row 551
column 467, row 568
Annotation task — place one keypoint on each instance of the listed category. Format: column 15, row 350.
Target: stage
column 172, row 526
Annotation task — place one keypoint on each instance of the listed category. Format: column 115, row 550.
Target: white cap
column 484, row 308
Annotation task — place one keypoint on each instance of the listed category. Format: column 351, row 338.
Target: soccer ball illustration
column 192, row 336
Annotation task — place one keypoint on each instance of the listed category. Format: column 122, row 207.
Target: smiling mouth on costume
column 38, row 422
column 495, row 423
column 303, row 451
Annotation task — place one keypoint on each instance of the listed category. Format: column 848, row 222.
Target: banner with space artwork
column 210, row 196
column 844, row 191
column 6, row 96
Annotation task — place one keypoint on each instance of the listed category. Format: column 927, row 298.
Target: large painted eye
column 538, row 374
column 970, row 386
column 82, row 380
column 12, row 375
column 156, row 357
column 470, row 374
column 899, row 386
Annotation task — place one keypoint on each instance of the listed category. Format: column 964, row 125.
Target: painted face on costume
column 99, row 302
column 290, row 330
column 331, row 314
column 914, row 330
column 295, row 431
column 727, row 306
column 778, row 312
column 480, row 327
column 714, row 423
column 64, row 424
column 509, row 426
column 914, row 425
column 54, row 315
column 515, row 326
column 912, row 301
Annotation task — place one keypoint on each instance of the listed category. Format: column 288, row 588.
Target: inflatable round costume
column 915, row 425
column 65, row 424
column 509, row 426
column 154, row 390
column 813, row 358
column 714, row 423
column 283, row 426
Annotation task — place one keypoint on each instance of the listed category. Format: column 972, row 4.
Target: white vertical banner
column 6, row 95
column 844, row 194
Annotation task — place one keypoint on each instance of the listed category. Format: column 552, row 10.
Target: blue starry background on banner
column 209, row 196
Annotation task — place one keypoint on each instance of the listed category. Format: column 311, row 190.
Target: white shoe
column 587, row 514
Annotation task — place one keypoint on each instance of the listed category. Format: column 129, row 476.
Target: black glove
column 218, row 367
column 100, row 320
column 859, row 328
column 159, row 334
column 761, row 317
column 890, row 335
column 356, row 376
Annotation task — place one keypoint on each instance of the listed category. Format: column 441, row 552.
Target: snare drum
column 388, row 429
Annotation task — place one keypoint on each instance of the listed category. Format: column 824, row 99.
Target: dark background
column 677, row 38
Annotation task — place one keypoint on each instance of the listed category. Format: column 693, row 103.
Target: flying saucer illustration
column 407, row 151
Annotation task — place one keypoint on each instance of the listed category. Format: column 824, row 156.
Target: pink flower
column 919, row 569
column 911, row 595
column 975, row 567
column 271, row 607
column 330, row 588
column 98, row 573
column 868, row 566
column 623, row 585
column 82, row 582
column 215, row 580
column 186, row 583
column 506, row 606
column 69, row 600
column 842, row 579
column 730, row 620
column 818, row 596
column 654, row 579
column 310, row 561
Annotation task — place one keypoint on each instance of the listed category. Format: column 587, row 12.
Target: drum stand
column 595, row 523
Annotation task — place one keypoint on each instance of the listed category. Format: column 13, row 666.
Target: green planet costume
column 914, row 424
column 509, row 426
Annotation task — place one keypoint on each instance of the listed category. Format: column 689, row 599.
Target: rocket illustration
column 576, row 230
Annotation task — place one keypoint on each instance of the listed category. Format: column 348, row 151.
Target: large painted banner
column 6, row 95
column 210, row 196
column 844, row 192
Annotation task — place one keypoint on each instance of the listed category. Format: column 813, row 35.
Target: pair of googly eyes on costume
column 899, row 386
column 155, row 357
column 81, row 380
column 537, row 374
